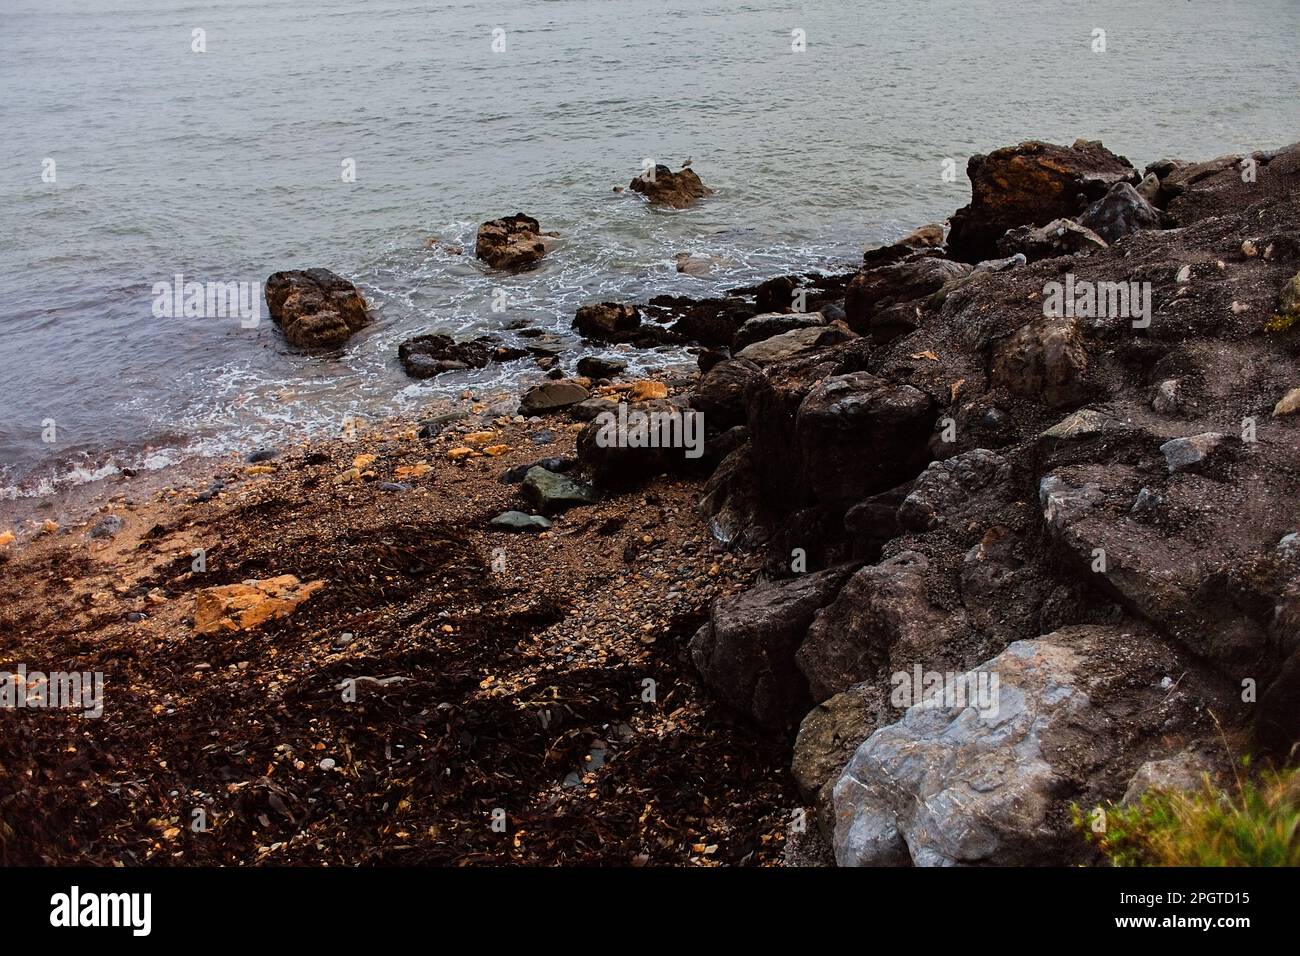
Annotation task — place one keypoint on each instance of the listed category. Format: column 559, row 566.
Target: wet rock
column 315, row 308
column 775, row 295
column 424, row 356
column 551, row 493
column 512, row 242
column 1073, row 715
column 520, row 521
column 608, row 322
column 550, row 397
column 590, row 408
column 512, row 476
column 732, row 503
column 1121, row 212
column 665, row 187
column 1030, row 185
column 432, row 427
column 1044, row 360
column 241, row 607
column 260, row 455
column 639, row 440
column 918, row 240
column 746, row 650
column 596, row 367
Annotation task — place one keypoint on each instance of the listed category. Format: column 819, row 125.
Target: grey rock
column 106, row 527
column 552, row 493
column 957, row 785
column 551, row 396
column 746, row 650
column 519, row 521
column 1183, row 454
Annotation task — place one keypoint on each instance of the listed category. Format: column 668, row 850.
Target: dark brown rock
column 1030, row 185
column 512, row 242
column 668, row 188
column 315, row 307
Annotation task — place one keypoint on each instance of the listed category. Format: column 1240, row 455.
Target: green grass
column 1259, row 825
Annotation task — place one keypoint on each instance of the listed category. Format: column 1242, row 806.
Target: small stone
column 106, row 527
column 259, row 455
column 520, row 521
column 1182, row 454
column 1289, row 404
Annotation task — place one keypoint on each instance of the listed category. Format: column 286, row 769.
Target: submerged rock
column 424, row 356
column 665, row 187
column 512, row 242
column 315, row 308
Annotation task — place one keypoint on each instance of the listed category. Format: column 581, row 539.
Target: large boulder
column 853, row 639
column 720, row 394
column 665, row 187
column 634, row 441
column 762, row 327
column 512, row 242
column 315, row 307
column 989, row 780
column 858, row 434
column 746, row 650
column 945, row 489
column 872, row 291
column 1044, row 360
column 1030, row 185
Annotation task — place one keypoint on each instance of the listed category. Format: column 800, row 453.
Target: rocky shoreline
column 1047, row 454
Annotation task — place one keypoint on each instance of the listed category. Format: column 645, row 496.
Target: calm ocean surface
column 226, row 165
